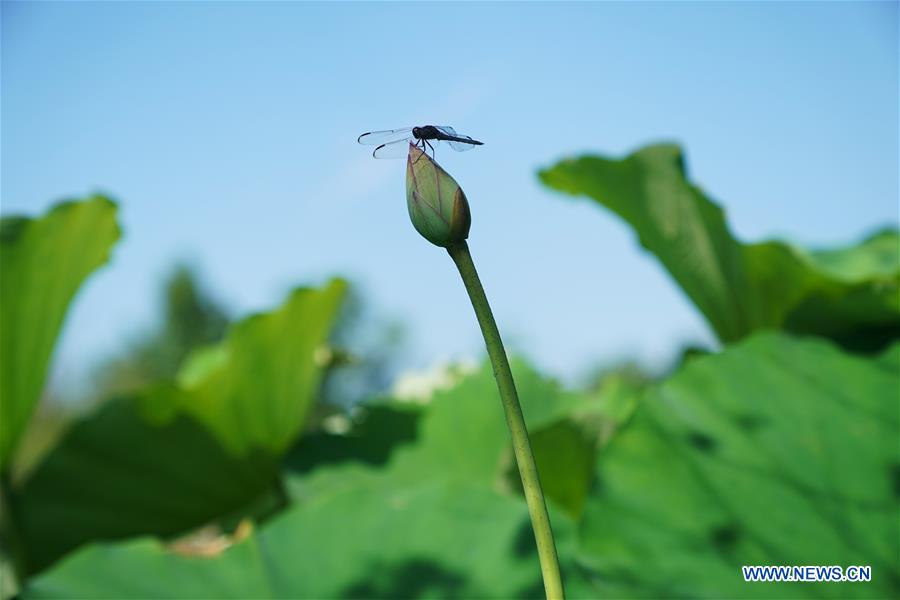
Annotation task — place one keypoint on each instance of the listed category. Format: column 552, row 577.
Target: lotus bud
column 437, row 205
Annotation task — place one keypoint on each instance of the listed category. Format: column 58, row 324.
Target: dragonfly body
column 430, row 132
column 394, row 143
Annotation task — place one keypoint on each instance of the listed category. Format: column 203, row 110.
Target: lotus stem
column 534, row 497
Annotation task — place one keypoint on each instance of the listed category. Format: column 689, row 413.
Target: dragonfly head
column 417, row 132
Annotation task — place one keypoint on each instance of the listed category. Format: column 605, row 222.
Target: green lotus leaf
column 847, row 294
column 43, row 262
column 778, row 451
column 175, row 456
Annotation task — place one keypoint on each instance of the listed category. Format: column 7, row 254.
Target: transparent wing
column 461, row 146
column 376, row 138
column 458, row 146
column 395, row 149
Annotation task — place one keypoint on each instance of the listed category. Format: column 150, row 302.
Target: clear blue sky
column 228, row 133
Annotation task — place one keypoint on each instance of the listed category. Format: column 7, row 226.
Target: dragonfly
column 394, row 143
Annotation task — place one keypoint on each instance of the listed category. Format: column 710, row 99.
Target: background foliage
column 219, row 469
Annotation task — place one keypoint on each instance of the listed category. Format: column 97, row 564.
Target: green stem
column 537, row 508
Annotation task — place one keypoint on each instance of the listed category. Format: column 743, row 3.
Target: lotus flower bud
column 437, row 205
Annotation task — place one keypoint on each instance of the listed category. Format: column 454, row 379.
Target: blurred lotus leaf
column 778, row 451
column 435, row 518
column 850, row 295
column 116, row 474
column 43, row 263
column 364, row 539
column 175, row 456
column 257, row 392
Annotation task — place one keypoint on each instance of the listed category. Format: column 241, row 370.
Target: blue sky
column 227, row 132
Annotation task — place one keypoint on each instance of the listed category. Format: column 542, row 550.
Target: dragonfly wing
column 458, row 146
column 376, row 138
column 395, row 149
column 461, row 146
